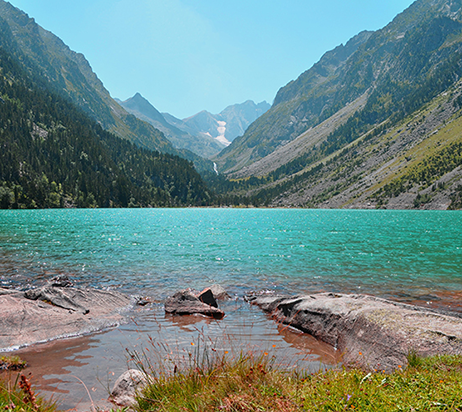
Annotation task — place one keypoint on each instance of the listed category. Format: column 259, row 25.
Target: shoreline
column 109, row 314
column 75, row 356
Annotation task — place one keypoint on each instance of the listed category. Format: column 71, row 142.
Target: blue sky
column 189, row 55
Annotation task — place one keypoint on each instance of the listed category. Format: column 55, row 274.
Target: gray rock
column 66, row 298
column 62, row 281
column 57, row 313
column 372, row 333
column 10, row 292
column 187, row 303
column 219, row 293
column 127, row 386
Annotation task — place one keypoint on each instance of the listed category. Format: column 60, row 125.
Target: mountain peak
column 139, row 104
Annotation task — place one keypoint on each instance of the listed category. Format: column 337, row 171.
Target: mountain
column 225, row 126
column 69, row 73
column 201, row 144
column 375, row 123
column 54, row 155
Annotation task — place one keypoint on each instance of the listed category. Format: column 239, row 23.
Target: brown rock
column 372, row 333
column 187, row 303
column 206, row 296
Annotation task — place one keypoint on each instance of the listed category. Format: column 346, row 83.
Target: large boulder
column 54, row 312
column 370, row 332
column 127, row 386
column 186, row 302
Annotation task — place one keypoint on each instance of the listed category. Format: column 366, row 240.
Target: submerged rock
column 188, row 303
column 126, row 387
column 54, row 312
column 372, row 333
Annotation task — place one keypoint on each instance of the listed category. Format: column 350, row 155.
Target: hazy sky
column 189, row 55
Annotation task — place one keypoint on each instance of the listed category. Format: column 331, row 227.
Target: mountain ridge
column 203, row 133
column 284, row 160
column 202, row 145
column 237, row 118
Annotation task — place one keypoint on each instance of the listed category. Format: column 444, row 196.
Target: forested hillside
column 53, row 155
column 40, row 52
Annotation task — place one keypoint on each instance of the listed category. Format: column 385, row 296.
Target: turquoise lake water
column 387, row 253
column 411, row 256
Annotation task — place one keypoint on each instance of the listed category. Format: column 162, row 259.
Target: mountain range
column 376, row 123
column 204, row 133
column 70, row 74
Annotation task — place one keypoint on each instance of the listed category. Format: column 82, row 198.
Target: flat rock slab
column 372, row 333
column 76, row 311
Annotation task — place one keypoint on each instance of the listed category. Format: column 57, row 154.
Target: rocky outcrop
column 372, row 333
column 57, row 310
column 126, row 387
column 186, row 302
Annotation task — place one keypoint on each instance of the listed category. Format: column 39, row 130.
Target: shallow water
column 411, row 256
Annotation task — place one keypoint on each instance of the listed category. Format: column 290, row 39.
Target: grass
column 255, row 383
column 210, row 380
column 13, row 363
column 20, row 396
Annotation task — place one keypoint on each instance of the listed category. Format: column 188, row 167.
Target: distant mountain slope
column 225, row 126
column 201, row 144
column 300, row 105
column 344, row 134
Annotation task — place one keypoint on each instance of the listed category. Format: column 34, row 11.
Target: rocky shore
column 369, row 332
column 56, row 310
column 372, row 333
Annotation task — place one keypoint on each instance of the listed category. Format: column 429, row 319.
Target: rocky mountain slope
column 42, row 53
column 202, row 144
column 374, row 124
column 224, row 126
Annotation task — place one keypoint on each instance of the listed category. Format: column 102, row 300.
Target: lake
column 410, row 256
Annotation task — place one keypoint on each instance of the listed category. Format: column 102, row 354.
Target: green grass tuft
column 252, row 382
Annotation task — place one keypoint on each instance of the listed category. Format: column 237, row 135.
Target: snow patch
column 221, row 133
